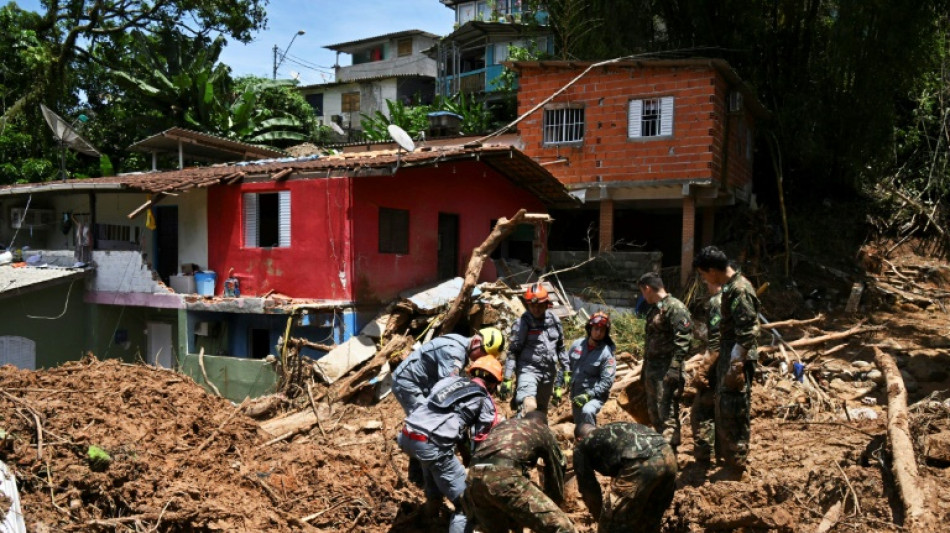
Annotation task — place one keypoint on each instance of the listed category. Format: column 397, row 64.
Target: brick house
column 653, row 147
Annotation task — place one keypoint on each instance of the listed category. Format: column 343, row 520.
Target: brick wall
column 607, row 154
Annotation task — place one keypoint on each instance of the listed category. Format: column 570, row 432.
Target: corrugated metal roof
column 386, row 36
column 199, row 146
column 508, row 161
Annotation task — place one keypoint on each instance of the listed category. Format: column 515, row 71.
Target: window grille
column 564, row 125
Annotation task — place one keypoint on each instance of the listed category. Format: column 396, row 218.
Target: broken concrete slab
column 344, row 358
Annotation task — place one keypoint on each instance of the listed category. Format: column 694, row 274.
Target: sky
column 324, row 22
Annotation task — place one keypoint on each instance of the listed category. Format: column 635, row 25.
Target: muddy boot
column 431, row 509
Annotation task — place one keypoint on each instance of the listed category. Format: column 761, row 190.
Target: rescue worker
column 535, row 351
column 501, row 496
column 643, row 467
column 592, row 370
column 669, row 332
column 458, row 408
column 702, row 415
column 735, row 367
column 439, row 358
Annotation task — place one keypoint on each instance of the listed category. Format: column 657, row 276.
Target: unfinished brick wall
column 607, row 154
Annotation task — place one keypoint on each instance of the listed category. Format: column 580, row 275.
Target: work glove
column 506, row 388
column 581, row 399
column 558, row 395
column 674, row 375
column 567, row 379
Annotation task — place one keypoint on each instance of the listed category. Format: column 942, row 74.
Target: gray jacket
column 536, row 345
column 439, row 358
column 455, row 405
column 593, row 369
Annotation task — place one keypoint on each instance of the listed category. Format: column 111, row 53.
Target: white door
column 160, row 344
column 18, row 351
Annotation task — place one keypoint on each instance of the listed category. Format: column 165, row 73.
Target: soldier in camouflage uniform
column 643, row 467
column 457, row 409
column 736, row 365
column 535, row 352
column 702, row 415
column 669, row 331
column 501, row 496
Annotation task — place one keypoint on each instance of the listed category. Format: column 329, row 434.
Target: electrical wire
column 65, row 306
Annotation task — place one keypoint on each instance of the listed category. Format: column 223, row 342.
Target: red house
column 647, row 142
column 362, row 227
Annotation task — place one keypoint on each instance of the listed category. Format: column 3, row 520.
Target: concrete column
column 606, row 225
column 689, row 239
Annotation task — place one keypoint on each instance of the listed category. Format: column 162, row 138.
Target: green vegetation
column 476, row 119
column 626, row 329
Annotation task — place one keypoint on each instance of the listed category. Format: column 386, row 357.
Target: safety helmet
column 486, row 367
column 493, row 342
column 599, row 318
column 536, row 293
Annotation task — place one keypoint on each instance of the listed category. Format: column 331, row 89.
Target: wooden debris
column 811, row 341
column 904, row 463
column 502, row 229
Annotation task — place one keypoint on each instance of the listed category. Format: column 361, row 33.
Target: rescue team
column 446, row 411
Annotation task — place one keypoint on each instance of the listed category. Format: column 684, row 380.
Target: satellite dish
column 68, row 137
column 336, row 127
column 66, row 134
column 401, row 137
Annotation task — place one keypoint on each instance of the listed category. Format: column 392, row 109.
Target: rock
column 861, row 364
column 876, row 376
column 862, row 413
column 372, row 425
column 937, row 447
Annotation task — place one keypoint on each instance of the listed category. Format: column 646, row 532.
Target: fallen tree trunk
column 781, row 324
column 772, row 518
column 904, row 463
column 502, row 229
column 860, row 328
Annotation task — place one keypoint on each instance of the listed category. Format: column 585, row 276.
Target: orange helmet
column 536, row 293
column 485, row 367
column 599, row 318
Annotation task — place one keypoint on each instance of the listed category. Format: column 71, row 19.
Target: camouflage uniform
column 668, row 336
column 643, row 468
column 740, row 310
column 593, row 369
column 500, row 495
column 437, row 359
column 432, row 431
column 537, row 347
column 702, row 415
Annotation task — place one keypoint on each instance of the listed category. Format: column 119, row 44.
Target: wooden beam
column 283, row 174
column 157, row 198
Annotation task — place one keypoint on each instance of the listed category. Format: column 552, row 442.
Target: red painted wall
column 319, row 249
column 469, row 189
column 693, row 152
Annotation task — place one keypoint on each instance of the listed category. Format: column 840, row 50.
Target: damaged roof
column 506, row 160
column 18, row 280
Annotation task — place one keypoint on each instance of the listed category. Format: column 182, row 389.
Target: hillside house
column 470, row 58
column 385, row 67
column 328, row 238
column 652, row 147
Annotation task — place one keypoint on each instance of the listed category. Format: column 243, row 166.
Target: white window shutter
column 635, row 119
column 666, row 115
column 283, row 211
column 250, row 220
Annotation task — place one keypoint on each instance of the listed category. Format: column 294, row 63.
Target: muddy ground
column 184, row 460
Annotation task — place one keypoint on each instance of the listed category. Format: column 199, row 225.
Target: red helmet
column 599, row 318
column 536, row 293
